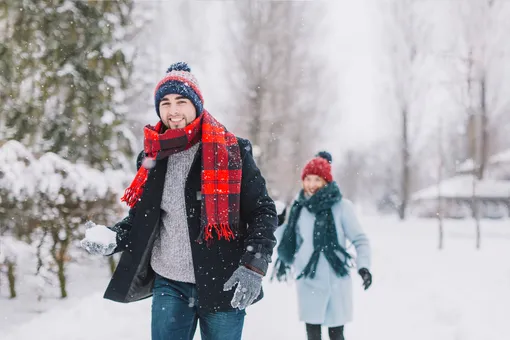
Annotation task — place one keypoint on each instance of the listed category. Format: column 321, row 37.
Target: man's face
column 313, row 183
column 176, row 111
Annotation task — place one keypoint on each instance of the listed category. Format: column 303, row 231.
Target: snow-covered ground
column 88, row 276
column 419, row 292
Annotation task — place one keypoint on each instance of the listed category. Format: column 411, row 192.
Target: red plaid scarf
column 221, row 170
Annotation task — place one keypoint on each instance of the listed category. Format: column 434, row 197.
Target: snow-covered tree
column 280, row 91
column 66, row 90
column 65, row 72
column 404, row 32
column 479, row 75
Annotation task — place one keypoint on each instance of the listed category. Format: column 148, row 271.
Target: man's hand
column 248, row 288
column 99, row 240
column 366, row 276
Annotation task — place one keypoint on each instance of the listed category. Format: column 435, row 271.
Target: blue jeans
column 175, row 315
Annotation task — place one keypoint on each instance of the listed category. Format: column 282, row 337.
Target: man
column 200, row 223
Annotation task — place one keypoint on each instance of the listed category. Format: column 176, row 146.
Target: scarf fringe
column 134, row 192
column 223, row 230
column 341, row 268
column 311, row 267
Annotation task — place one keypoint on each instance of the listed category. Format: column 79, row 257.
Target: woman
column 313, row 244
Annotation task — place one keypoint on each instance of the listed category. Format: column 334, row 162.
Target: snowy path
column 418, row 293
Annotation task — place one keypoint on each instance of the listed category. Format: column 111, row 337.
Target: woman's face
column 312, row 184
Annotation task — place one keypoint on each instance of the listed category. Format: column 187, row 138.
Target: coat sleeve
column 123, row 227
column 355, row 234
column 258, row 211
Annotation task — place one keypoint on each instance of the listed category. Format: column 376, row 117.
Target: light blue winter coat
column 327, row 299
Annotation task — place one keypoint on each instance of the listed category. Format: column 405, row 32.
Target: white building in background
column 498, row 166
column 456, row 197
column 456, row 193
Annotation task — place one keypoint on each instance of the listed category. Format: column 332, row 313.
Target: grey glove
column 248, row 288
column 99, row 240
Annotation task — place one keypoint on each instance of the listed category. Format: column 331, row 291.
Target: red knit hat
column 320, row 166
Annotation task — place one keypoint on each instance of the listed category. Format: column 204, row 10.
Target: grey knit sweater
column 171, row 255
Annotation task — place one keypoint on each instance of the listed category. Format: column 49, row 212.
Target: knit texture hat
column 179, row 80
column 319, row 166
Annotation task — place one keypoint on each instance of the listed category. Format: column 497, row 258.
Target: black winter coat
column 133, row 278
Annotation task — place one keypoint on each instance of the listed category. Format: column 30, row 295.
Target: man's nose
column 174, row 111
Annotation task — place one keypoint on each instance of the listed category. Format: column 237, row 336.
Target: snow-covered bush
column 45, row 202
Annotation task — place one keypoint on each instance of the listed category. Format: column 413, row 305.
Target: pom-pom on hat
column 179, row 80
column 326, row 155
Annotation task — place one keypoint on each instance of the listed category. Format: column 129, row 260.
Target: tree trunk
column 484, row 136
column 480, row 156
column 405, row 166
column 475, row 204
column 38, row 252
column 61, row 268
column 440, row 207
column 256, row 124
column 59, row 254
column 11, row 276
column 441, row 227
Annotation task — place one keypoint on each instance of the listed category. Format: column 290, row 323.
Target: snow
column 23, row 176
column 14, row 162
column 502, row 157
column 419, row 292
column 280, row 207
column 99, row 234
column 466, row 166
column 12, row 250
column 499, row 158
column 58, row 173
column 87, row 276
column 108, row 118
column 66, row 6
column 462, row 187
column 67, row 69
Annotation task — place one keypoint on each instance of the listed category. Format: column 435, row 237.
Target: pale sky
column 355, row 27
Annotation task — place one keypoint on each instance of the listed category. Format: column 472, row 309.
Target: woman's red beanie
column 320, row 166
